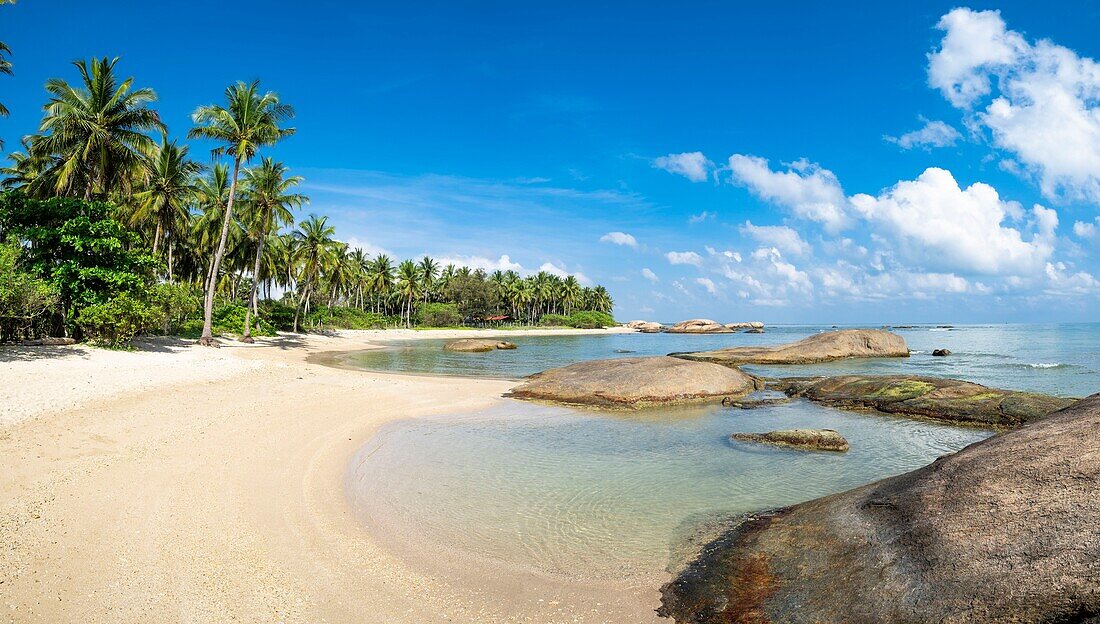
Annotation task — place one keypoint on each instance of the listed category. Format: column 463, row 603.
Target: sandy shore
column 177, row 484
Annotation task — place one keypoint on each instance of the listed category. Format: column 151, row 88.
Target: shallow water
column 585, row 496
column 1058, row 359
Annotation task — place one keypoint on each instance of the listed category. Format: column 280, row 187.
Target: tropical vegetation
column 109, row 228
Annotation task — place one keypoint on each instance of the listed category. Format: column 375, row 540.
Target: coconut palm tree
column 169, row 186
column 5, row 68
column 316, row 248
column 409, row 285
column 96, row 131
column 269, row 201
column 248, row 122
column 570, row 294
column 429, row 271
column 381, row 279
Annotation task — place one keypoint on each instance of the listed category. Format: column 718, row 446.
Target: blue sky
column 810, row 162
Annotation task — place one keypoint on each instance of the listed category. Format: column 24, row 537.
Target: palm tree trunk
column 252, row 305
column 207, row 339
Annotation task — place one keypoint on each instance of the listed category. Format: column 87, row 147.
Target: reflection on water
column 583, row 496
column 1059, row 359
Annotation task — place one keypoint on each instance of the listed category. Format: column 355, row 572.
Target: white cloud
column 554, row 269
column 368, row 248
column 939, row 226
column 701, row 217
column 503, row 263
column 1086, row 230
column 684, row 257
column 806, row 189
column 619, row 238
column 1044, row 99
column 692, row 165
column 708, row 284
column 932, row 134
column 650, row 275
column 782, row 237
column 1061, row 282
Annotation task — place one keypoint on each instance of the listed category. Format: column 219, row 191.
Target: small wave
column 1045, row 365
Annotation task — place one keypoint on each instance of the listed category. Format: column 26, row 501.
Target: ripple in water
column 583, row 496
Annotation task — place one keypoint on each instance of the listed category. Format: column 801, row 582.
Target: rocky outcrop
column 941, row 352
column 823, row 347
column 803, row 439
column 646, row 327
column 751, row 325
column 699, row 326
column 477, row 345
column 635, row 382
column 951, row 400
column 1005, row 530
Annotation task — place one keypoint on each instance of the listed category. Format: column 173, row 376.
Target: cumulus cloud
column 932, row 134
column 936, row 224
column 1040, row 101
column 692, row 165
column 553, row 269
column 1084, row 229
column 619, row 238
column 368, row 248
column 684, row 257
column 503, row 263
column 806, row 189
column 650, row 275
column 781, row 237
column 707, row 283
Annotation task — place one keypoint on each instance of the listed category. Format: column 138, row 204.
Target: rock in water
column 699, row 326
column 1005, row 530
column 941, row 352
column 951, row 400
column 823, row 347
column 635, row 382
column 808, row 439
column 477, row 345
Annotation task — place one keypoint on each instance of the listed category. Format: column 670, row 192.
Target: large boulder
column 1005, row 530
column 951, row 400
column 699, row 326
column 477, row 345
column 748, row 325
column 635, row 382
column 803, row 439
column 823, row 347
column 646, row 327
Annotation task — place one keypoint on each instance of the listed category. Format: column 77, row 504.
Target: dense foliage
column 119, row 231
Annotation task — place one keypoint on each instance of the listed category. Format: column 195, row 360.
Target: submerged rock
column 823, row 347
column 807, row 439
column 635, row 382
column 477, row 345
column 1005, row 530
column 699, row 326
column 951, row 400
column 941, row 352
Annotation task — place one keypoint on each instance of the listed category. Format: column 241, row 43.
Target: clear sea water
column 581, row 496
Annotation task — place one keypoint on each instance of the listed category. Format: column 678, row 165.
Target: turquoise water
column 1063, row 359
column 587, row 496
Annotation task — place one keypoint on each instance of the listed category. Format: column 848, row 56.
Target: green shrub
column 279, row 314
column 177, row 302
column 118, row 320
column 25, row 301
column 326, row 318
column 439, row 315
column 229, row 319
column 591, row 320
column 554, row 320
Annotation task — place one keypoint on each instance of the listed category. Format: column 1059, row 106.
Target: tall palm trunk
column 252, row 303
column 207, row 339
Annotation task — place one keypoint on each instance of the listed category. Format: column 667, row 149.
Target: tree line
column 108, row 226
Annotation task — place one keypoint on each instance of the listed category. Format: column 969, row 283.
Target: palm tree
column 570, row 294
column 169, row 185
column 429, row 271
column 270, row 204
column 315, row 247
column 248, row 122
column 381, row 278
column 408, row 285
column 96, row 131
column 5, row 68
